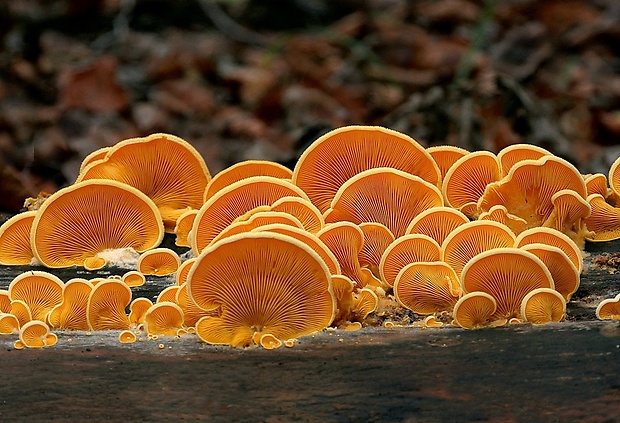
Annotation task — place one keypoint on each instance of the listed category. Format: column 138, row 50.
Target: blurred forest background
column 261, row 79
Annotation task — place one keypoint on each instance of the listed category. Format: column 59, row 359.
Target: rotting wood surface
column 566, row 371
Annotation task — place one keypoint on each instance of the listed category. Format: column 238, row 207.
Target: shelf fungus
column 166, row 168
column 384, row 195
column 158, row 262
column 262, row 283
column 234, row 201
column 243, row 170
column 40, row 290
column 15, row 249
column 508, row 275
column 344, row 152
column 88, row 218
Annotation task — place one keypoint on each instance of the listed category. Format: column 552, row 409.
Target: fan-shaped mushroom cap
column 40, row 290
column 404, row 250
column 168, row 294
column 191, row 312
column 133, row 278
column 262, row 282
column 596, row 184
column 427, row 287
column 94, row 263
column 183, row 271
column 306, row 212
column 235, row 200
column 183, row 226
column 15, row 247
column 377, row 238
column 445, row 156
column 127, row 337
column 257, row 220
column 474, row 310
column 467, row 179
column 569, row 212
column 604, row 221
column 543, row 305
column 5, row 301
column 507, row 274
column 365, row 301
column 269, row 342
column 614, row 176
column 85, row 219
column 344, row 152
column 36, row 334
column 163, row 318
column 137, row 310
column 106, row 306
column 21, row 311
column 243, row 170
column 563, row 270
column 71, row 313
column 385, row 195
column 512, row 154
column 499, row 213
column 343, row 288
column 345, row 241
column 473, row 238
column 8, row 324
column 527, row 189
column 94, row 156
column 609, row 309
column 159, row 262
column 554, row 238
column 309, row 239
column 437, row 222
column 165, row 168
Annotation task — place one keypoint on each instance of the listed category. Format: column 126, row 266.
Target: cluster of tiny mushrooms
column 368, row 226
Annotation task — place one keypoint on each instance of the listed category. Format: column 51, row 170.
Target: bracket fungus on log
column 15, row 249
column 262, row 283
column 90, row 217
column 166, row 168
column 344, row 152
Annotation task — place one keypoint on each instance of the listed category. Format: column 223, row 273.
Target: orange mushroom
column 345, row 240
column 166, row 168
column 508, row 275
column 568, row 216
column 609, row 309
column 343, row 288
column 404, row 250
column 344, row 152
column 563, row 270
column 614, row 176
column 137, row 310
column 106, row 305
column 36, row 334
column 41, row 291
column 263, row 283
column 94, row 263
column 499, row 213
column 365, row 301
column 467, row 179
column 512, row 154
column 603, row 224
column 306, row 212
column 235, row 200
column 269, row 342
column 473, row 238
column 9, row 324
column 94, row 156
column 71, row 312
column 15, row 249
column 427, row 287
column 445, row 156
column 159, row 262
column 597, row 184
column 243, row 170
column 377, row 238
column 543, row 305
column 85, row 219
column 191, row 312
column 21, row 311
column 554, row 238
column 168, row 294
column 127, row 337
column 257, row 220
column 5, row 301
column 437, row 222
column 163, row 318
column 384, row 195
column 183, row 226
column 181, row 276
column 133, row 278
column 474, row 310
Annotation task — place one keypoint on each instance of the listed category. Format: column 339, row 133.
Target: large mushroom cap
column 543, row 305
column 15, row 246
column 508, row 275
column 404, row 250
column 344, row 152
column 164, row 167
column 40, row 290
column 234, row 201
column 106, row 306
column 262, row 282
column 243, row 170
column 474, row 310
column 90, row 217
column 384, row 195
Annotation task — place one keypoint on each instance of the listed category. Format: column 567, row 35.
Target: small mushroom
column 554, row 238
column 306, row 212
column 191, row 312
column 597, row 184
column 21, row 311
column 133, row 278
column 8, row 324
column 5, row 301
column 94, row 156
column 568, row 216
column 404, row 250
column 345, row 240
column 127, row 337
column 106, row 306
column 137, row 310
column 512, row 154
column 71, row 312
column 183, row 226
column 159, row 262
column 563, row 270
column 168, row 294
column 15, row 249
column 377, row 237
column 181, row 276
column 445, row 156
column 163, row 318
column 437, row 222
column 40, row 290
column 269, row 342
column 609, row 309
column 474, row 310
column 94, row 263
column 499, row 213
column 603, row 223
column 256, row 220
column 36, row 334
column 543, row 305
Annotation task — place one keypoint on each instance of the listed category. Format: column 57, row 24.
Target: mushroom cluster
column 369, row 228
